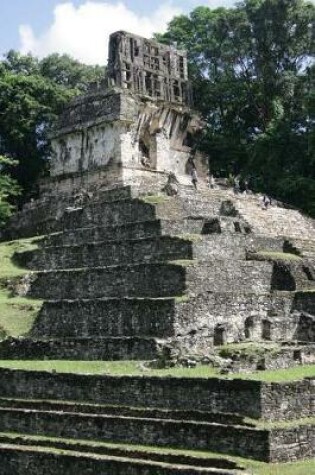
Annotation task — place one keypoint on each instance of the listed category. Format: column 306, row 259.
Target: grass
column 154, row 199
column 17, row 314
column 134, row 368
column 9, row 268
column 182, row 298
column 190, row 237
column 284, row 424
column 305, row 467
column 249, row 349
column 280, row 375
column 184, row 262
column 283, row 256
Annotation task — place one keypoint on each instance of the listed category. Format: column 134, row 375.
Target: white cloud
column 83, row 32
column 214, row 3
column 222, row 3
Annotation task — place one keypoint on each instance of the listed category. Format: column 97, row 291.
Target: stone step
column 153, row 280
column 108, row 253
column 124, row 411
column 137, row 210
column 136, row 230
column 193, row 435
column 33, row 460
column 250, row 398
column 105, row 317
column 111, row 253
column 108, row 214
column 116, row 450
column 84, row 348
column 276, row 220
column 166, row 317
column 157, row 249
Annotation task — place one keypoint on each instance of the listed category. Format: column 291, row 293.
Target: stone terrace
column 153, row 277
column 135, row 277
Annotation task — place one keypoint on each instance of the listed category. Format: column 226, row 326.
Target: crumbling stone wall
column 288, row 400
column 148, row 68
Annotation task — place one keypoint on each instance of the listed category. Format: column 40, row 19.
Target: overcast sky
column 81, row 27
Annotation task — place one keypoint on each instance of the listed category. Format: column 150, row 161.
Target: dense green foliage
column 32, row 93
column 253, row 77
column 8, row 188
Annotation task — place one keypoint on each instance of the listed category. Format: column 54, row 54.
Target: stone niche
column 127, row 129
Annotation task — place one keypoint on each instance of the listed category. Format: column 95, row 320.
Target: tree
column 8, row 189
column 67, row 72
column 32, row 94
column 252, row 77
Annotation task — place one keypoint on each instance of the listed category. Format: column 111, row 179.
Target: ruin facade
column 148, row 68
column 135, row 127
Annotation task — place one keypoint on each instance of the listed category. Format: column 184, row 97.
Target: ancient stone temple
column 135, row 127
column 130, row 266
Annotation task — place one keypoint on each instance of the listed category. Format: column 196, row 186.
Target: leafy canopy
column 252, row 69
column 8, row 188
column 32, row 94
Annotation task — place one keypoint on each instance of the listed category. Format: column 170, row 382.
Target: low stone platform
column 157, row 411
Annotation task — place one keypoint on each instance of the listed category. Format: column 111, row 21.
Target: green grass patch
column 248, row 349
column 133, row 368
column 284, row 424
column 182, row 299
column 8, row 267
column 305, row 467
column 190, row 237
column 154, row 199
column 184, row 262
column 276, row 256
column 279, row 375
column 17, row 314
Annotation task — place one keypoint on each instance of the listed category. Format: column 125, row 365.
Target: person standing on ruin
column 194, row 177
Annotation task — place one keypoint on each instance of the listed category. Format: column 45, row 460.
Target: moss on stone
column 154, row 199
column 182, row 298
column 190, row 237
column 275, row 256
column 184, row 262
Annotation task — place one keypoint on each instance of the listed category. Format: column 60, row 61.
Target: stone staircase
column 276, row 220
column 132, row 277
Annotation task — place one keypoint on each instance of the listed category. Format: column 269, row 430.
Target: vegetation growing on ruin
column 133, row 368
column 276, row 256
column 184, row 262
column 16, row 313
column 154, row 199
column 249, row 349
column 190, row 237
